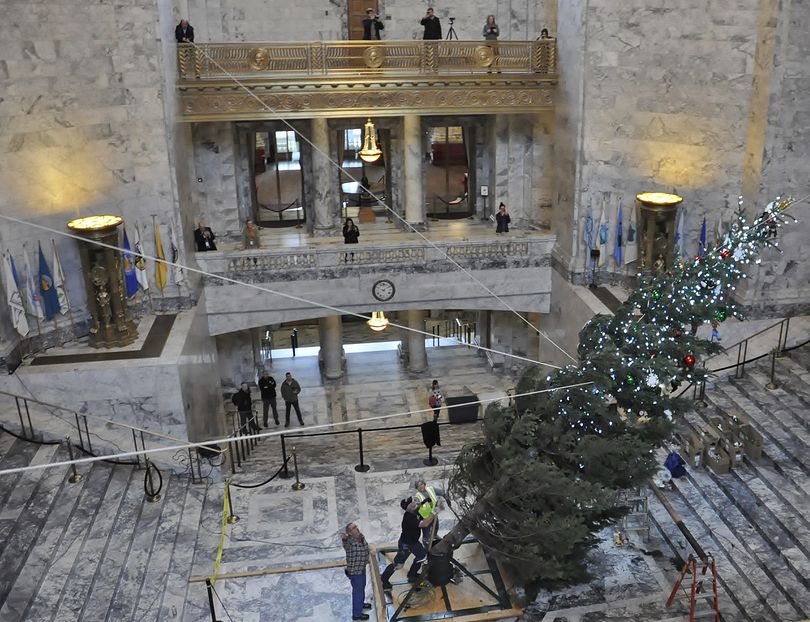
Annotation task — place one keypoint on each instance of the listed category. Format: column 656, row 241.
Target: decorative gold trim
column 484, row 55
column 374, row 57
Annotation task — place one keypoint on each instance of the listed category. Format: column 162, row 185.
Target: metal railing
column 241, row 441
column 458, row 329
column 72, row 424
column 369, row 58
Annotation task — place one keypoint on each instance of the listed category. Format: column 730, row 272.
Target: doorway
column 278, row 179
column 373, row 176
column 448, row 176
column 356, row 15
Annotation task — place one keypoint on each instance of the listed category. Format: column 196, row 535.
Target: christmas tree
column 544, row 479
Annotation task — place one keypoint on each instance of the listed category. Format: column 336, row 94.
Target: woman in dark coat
column 351, row 235
column 502, row 219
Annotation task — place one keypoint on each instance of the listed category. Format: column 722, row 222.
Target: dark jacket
column 491, row 32
column 290, row 390
column 367, row 28
column 203, row 243
column 410, row 528
column 433, row 28
column 351, row 236
column 503, row 221
column 178, row 34
column 268, row 387
column 242, row 401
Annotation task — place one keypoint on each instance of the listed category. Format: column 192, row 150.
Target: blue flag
column 702, row 242
column 50, row 298
column 130, row 278
column 617, row 248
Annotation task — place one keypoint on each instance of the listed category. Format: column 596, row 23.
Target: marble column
column 324, row 180
column 331, row 331
column 412, row 165
column 417, row 355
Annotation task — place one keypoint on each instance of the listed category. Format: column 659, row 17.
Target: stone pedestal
column 331, row 331
column 324, row 180
column 412, row 165
column 417, row 355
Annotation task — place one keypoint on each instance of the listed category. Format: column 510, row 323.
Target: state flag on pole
column 702, row 240
column 140, row 261
column 161, row 269
column 679, row 245
column 618, row 242
column 47, row 291
column 588, row 234
column 177, row 271
column 32, row 291
column 13, row 296
column 603, row 233
column 130, row 276
column 631, row 248
column 59, row 283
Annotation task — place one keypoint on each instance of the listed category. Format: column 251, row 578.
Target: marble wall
column 315, row 20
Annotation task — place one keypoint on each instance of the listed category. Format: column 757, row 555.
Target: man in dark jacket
column 408, row 543
column 244, row 405
column 267, row 385
column 289, row 393
column 184, row 33
column 204, row 238
column 372, row 26
column 433, row 27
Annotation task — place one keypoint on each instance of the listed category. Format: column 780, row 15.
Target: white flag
column 13, row 296
column 140, row 262
column 602, row 236
column 59, row 283
column 719, row 229
column 32, row 291
column 631, row 246
column 176, row 270
column 679, row 239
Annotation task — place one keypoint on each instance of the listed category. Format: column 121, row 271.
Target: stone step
column 782, row 404
column 17, row 454
column 54, row 584
column 28, row 507
column 795, row 379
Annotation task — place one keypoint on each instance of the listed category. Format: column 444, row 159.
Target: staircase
column 755, row 520
column 94, row 550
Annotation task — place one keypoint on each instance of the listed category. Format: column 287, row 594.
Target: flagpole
column 67, row 296
column 154, row 228
column 149, row 289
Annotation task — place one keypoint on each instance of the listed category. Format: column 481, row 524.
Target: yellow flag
column 161, row 269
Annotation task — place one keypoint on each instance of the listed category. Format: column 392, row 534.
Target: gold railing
column 362, row 58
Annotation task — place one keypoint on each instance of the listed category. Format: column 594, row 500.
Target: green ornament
column 656, row 294
column 721, row 315
column 630, row 379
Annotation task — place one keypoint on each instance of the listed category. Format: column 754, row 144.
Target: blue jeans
column 358, row 582
column 403, row 552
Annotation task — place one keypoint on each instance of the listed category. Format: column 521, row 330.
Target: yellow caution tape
column 218, row 559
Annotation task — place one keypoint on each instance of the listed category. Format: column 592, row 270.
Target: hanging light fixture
column 370, row 151
column 378, row 321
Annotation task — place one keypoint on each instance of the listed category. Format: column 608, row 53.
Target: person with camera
column 491, row 30
column 432, row 25
column 372, row 26
column 435, row 399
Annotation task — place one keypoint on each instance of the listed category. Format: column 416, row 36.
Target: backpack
column 675, row 464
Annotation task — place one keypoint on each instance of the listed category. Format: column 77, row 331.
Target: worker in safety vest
column 428, row 499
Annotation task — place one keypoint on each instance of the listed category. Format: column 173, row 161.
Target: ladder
column 691, row 567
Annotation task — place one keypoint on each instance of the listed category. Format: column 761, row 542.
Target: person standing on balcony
column 543, row 34
column 184, row 33
column 251, row 234
column 244, row 406
column 351, row 235
column 267, row 385
column 204, row 237
column 432, row 25
column 502, row 219
column 289, row 393
column 491, row 30
column 372, row 26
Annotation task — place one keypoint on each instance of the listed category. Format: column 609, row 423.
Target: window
column 353, row 140
column 286, row 142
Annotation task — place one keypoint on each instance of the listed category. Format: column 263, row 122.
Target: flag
column 47, row 291
column 177, row 271
column 588, row 235
column 617, row 244
column 631, row 248
column 702, row 241
column 603, row 229
column 130, row 276
column 679, row 233
column 140, row 262
column 32, row 291
column 59, row 283
column 161, row 269
column 719, row 229
column 13, row 297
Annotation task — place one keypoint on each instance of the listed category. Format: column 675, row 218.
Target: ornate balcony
column 351, row 78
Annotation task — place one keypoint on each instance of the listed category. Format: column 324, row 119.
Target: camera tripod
column 451, row 34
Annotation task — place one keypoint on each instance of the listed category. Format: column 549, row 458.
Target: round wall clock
column 383, row 290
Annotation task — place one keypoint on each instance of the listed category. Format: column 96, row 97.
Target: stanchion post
column 135, row 443
column 285, row 474
column 232, row 518
column 210, row 590
column 362, row 467
column 87, row 434
column 75, row 476
column 298, row 485
column 772, row 384
column 430, row 460
column 19, row 412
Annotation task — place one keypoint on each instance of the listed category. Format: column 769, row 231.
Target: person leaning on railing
column 184, row 33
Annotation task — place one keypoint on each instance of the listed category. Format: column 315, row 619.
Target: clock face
column 383, row 290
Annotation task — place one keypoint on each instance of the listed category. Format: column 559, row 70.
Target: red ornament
column 698, row 258
column 689, row 360
column 725, row 254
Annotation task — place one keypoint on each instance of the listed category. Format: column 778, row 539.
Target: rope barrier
column 267, row 481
